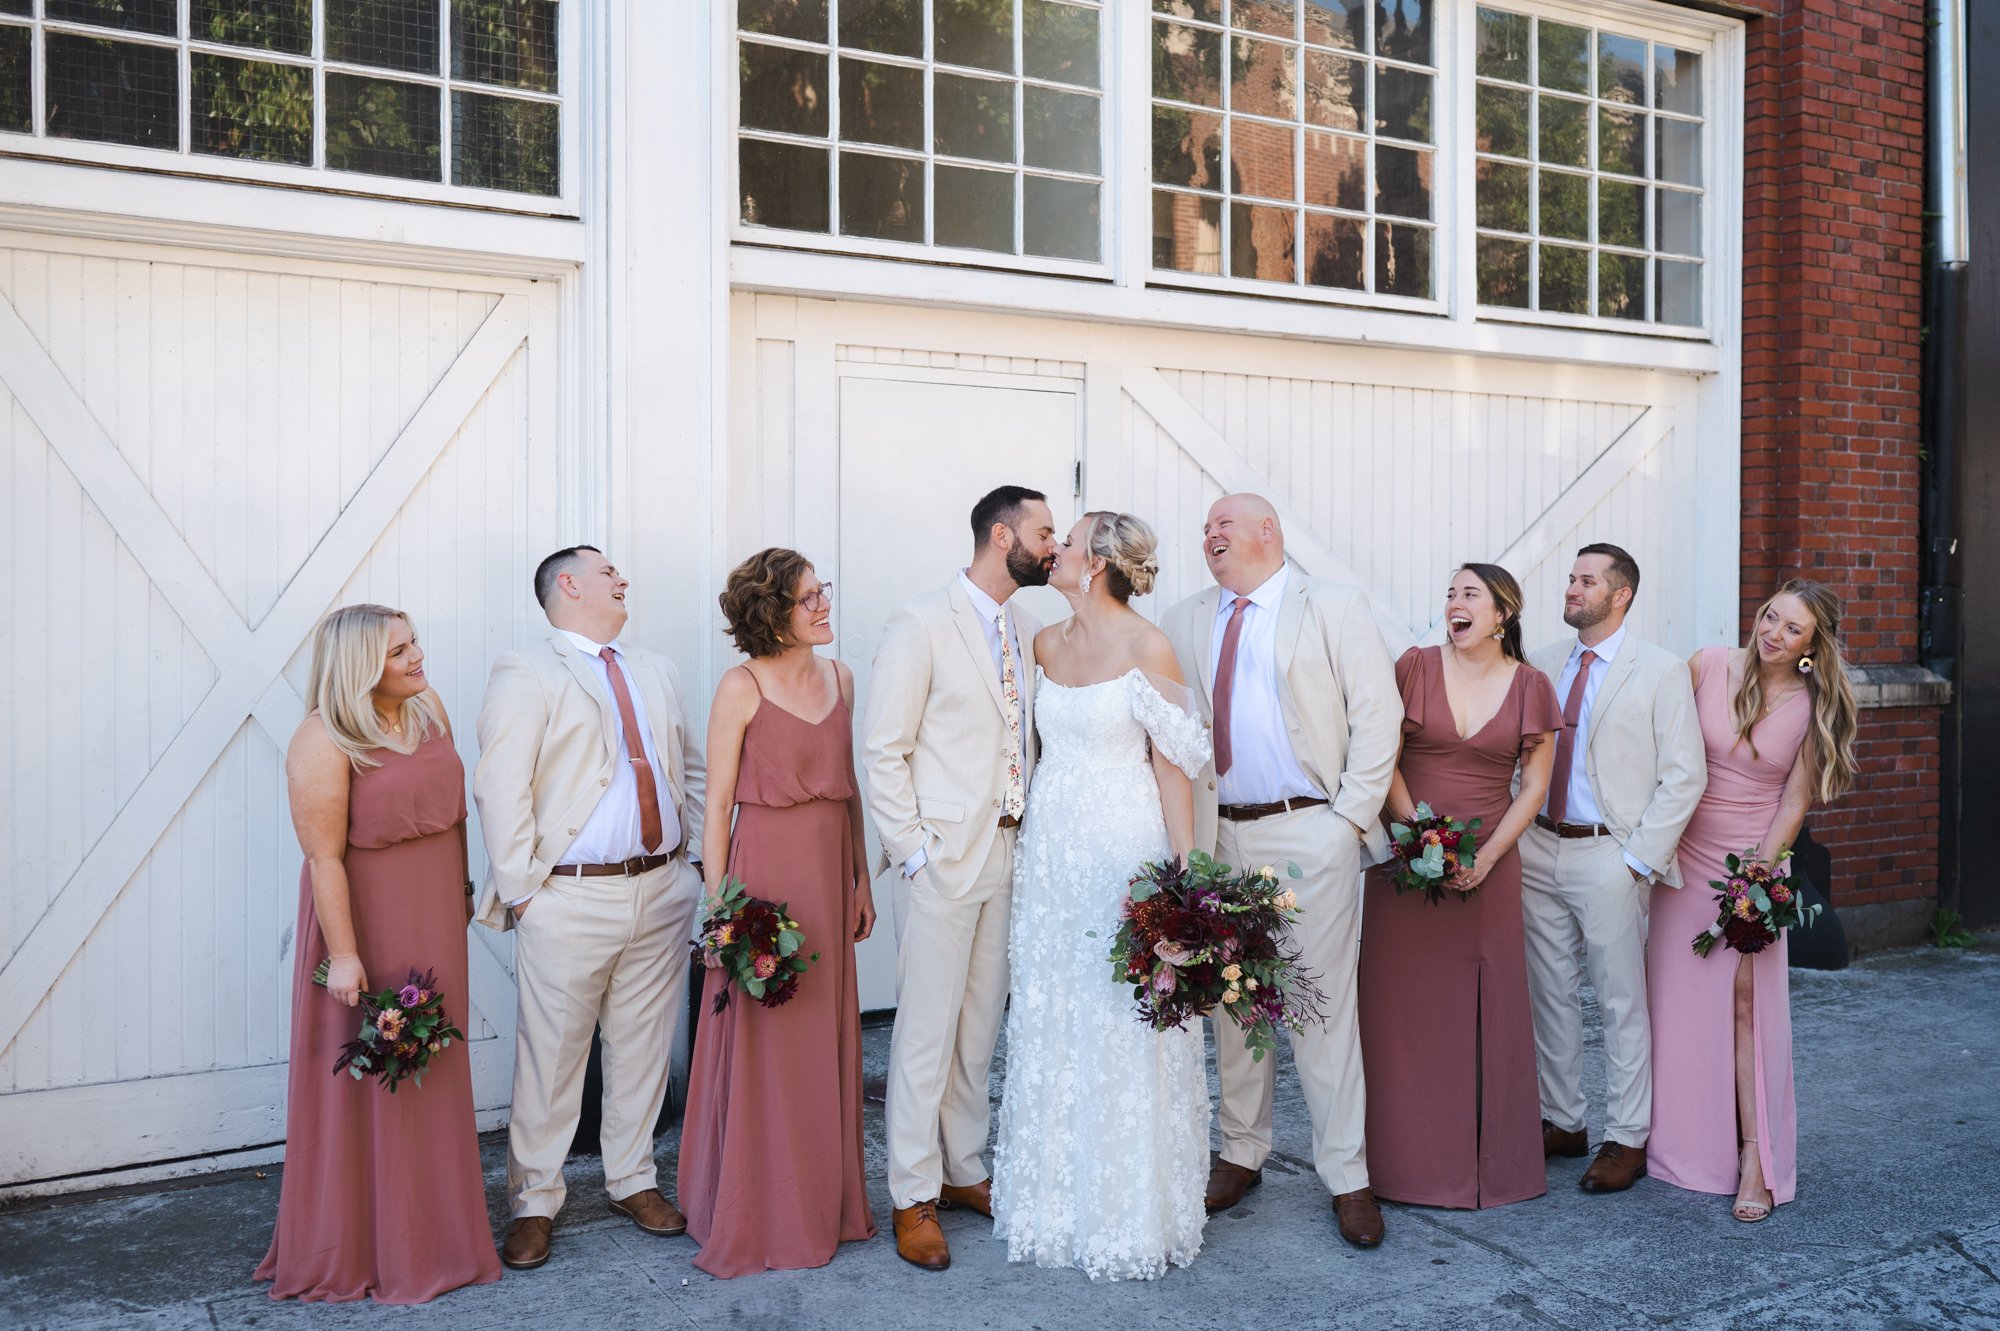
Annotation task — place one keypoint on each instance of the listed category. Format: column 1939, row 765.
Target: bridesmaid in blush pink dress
column 1778, row 721
column 382, row 1195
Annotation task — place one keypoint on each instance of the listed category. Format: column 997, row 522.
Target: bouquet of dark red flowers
column 1428, row 850
column 1754, row 903
column 401, row 1030
column 1198, row 937
column 756, row 943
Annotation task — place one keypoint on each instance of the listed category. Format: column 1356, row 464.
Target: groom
column 1297, row 687
column 949, row 744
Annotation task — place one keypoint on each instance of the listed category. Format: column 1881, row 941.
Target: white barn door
column 202, row 454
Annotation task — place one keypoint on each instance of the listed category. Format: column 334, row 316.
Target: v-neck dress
column 771, row 1173
column 1447, row 1038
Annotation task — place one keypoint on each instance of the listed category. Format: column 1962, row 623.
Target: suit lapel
column 587, row 680
column 974, row 634
column 1614, row 679
column 659, row 713
column 1291, row 617
column 1204, row 633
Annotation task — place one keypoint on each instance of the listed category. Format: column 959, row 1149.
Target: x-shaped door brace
column 251, row 662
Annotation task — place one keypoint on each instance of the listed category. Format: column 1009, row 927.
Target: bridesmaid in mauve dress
column 1724, row 1116
column 1447, row 1037
column 382, row 1195
column 770, row 1164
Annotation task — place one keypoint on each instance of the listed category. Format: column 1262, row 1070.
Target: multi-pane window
column 1590, row 187
column 458, row 92
column 1293, row 142
column 963, row 124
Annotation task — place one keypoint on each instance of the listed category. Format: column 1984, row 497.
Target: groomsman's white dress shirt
column 1582, row 801
column 1263, row 767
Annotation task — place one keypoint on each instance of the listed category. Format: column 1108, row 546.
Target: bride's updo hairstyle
column 1127, row 546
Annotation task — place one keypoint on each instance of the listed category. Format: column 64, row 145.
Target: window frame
column 183, row 160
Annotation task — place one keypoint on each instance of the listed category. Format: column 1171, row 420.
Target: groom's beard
column 1026, row 570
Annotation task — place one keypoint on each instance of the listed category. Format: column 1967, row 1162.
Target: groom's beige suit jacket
column 547, row 741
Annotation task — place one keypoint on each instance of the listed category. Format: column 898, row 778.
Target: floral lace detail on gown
column 1103, row 1149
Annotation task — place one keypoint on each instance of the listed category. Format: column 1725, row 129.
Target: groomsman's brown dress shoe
column 1360, row 1218
column 1227, row 1183
column 919, row 1240
column 527, row 1245
column 652, row 1212
column 1556, row 1141
column 1616, row 1168
column 973, row 1197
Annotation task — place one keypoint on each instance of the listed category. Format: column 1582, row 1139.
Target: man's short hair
column 1624, row 570
column 553, row 567
column 1003, row 506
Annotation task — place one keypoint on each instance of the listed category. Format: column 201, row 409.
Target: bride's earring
column 1805, row 665
column 1083, row 584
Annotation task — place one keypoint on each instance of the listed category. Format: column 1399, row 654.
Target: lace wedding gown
column 1103, row 1147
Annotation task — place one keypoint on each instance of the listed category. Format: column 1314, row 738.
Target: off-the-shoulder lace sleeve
column 1175, row 731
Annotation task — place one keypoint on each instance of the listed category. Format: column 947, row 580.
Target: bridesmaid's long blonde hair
column 1835, row 717
column 350, row 653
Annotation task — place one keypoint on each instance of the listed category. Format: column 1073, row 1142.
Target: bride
column 1104, row 1123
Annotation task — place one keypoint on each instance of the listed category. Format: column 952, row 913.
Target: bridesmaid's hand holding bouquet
column 401, row 1030
column 757, row 943
column 1433, row 853
column 1754, row 903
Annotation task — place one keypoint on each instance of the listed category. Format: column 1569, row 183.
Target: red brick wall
column 1832, row 309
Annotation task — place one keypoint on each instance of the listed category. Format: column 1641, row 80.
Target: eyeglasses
column 819, row 600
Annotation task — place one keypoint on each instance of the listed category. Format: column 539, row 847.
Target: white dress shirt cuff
column 1637, row 865
column 916, row 862
column 518, row 900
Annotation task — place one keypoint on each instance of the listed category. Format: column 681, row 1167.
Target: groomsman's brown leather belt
column 1250, row 813
column 1571, row 831
column 638, row 864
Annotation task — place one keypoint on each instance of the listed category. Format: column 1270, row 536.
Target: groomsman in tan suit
column 1629, row 769
column 590, row 789
column 1299, row 692
column 949, row 743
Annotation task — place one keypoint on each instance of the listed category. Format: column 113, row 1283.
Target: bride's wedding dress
column 1103, row 1148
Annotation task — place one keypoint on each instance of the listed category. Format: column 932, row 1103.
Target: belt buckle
column 634, row 866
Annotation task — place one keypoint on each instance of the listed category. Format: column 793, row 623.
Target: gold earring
column 1805, row 665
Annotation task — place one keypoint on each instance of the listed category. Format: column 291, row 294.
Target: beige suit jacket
column 1645, row 758
column 934, row 736
column 1338, row 690
column 547, row 741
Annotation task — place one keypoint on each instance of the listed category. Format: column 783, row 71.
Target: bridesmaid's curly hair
column 758, row 599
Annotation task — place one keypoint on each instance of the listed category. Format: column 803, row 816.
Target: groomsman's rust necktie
column 1566, row 741
column 1225, row 684
column 635, row 748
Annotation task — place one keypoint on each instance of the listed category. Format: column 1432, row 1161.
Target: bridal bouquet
column 1754, row 903
column 402, row 1029
column 1428, row 850
column 1198, row 937
column 756, row 943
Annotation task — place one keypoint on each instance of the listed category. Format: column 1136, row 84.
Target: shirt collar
column 1607, row 651
column 589, row 648
column 1267, row 596
column 988, row 609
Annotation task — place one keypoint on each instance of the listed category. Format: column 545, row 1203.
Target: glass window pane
column 1403, row 181
column 974, row 209
column 882, row 103
column 158, row 17
column 259, row 110
column 1403, row 30
column 17, row 89
column 22, row 7
column 111, row 92
column 1187, row 64
column 1621, row 286
column 1503, row 120
column 979, row 33
column 1678, row 292
column 1336, row 252
column 507, row 42
column 1565, row 280
column 1402, row 103
column 1208, row 11
column 387, row 34
column 1276, row 18
column 783, row 185
column 1677, row 156
column 1677, row 228
column 1565, row 132
column 803, row 19
column 1621, row 214
column 505, row 143
column 1503, row 272
column 1059, row 43
column 1621, row 70
column 1402, row 260
column 1501, row 196
column 1187, row 232
column 1060, row 218
column 881, row 197
column 1059, row 130
column 1336, row 91
column 1336, row 171
column 1621, row 142
column 1564, row 53
column 1342, row 24
column 1565, row 202
column 1260, row 160
column 1262, row 242
column 973, row 118
column 781, row 88
column 1503, row 45
column 382, row 127
column 893, row 27
column 1263, row 78
column 1187, row 148
column 1676, row 80
column 267, row 25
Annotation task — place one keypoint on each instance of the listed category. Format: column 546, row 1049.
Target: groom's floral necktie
column 1010, row 692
